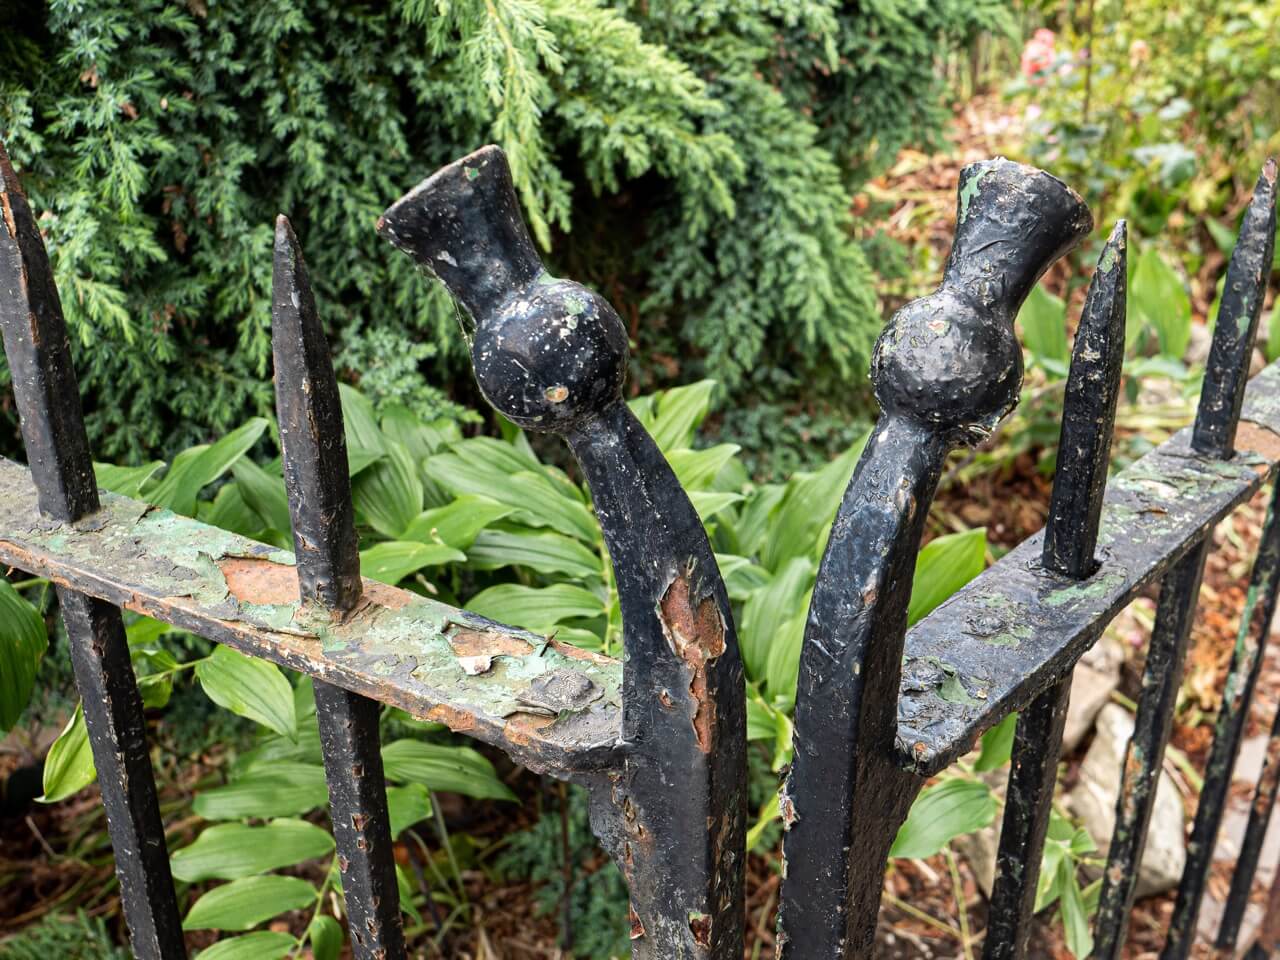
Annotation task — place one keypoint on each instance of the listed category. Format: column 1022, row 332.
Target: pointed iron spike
column 1243, row 291
column 1088, row 417
column 44, row 381
column 311, row 436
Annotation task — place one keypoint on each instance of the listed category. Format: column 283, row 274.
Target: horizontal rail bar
column 993, row 646
column 551, row 706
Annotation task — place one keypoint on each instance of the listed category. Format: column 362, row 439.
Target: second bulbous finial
column 951, row 359
column 548, row 353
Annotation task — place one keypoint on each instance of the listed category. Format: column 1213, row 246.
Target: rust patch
column 261, row 582
column 384, row 595
column 577, row 653
column 524, row 729
column 696, row 634
column 787, row 809
column 4, row 199
column 487, row 643
column 459, row 721
column 700, row 927
column 1260, row 440
column 637, row 928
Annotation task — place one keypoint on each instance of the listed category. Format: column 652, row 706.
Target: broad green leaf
column 440, row 767
column 262, row 945
column 695, row 469
column 536, row 608
column 943, row 567
column 708, row 503
column 359, row 424
column 388, row 495
column 752, row 524
column 759, row 719
column 457, row 523
column 783, row 666
column 264, row 493
column 325, row 934
column 23, row 641
column 799, row 525
column 768, row 813
column 997, row 745
column 1158, row 299
column 393, row 560
column 228, row 511
column 126, row 481
column 155, row 691
column 69, row 768
column 942, row 812
column 420, row 438
column 514, row 457
column 740, row 575
column 544, row 552
column 1272, row 346
column 249, row 687
column 196, row 468
column 275, row 748
column 1075, row 918
column 1043, row 320
column 229, row 851
column 679, row 411
column 768, row 609
column 281, row 789
column 1223, row 236
column 406, row 806
column 243, row 904
column 536, row 499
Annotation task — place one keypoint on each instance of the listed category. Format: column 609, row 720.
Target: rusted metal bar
column 551, row 355
column 1017, row 627
column 314, row 449
column 1242, row 878
column 1215, row 434
column 48, row 398
column 397, row 647
column 946, row 369
column 1070, row 542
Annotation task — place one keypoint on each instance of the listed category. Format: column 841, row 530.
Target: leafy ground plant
column 482, row 522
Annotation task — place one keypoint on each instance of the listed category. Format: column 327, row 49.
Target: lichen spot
column 695, row 632
column 556, row 394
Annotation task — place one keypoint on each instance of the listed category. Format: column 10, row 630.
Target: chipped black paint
column 550, row 355
column 1070, row 539
column 946, row 368
column 328, row 563
column 48, row 398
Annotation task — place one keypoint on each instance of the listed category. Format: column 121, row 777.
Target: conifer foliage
column 693, row 158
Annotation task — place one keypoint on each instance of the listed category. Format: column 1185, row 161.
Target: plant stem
column 957, row 889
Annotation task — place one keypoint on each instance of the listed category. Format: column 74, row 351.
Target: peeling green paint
column 969, row 190
column 1093, row 589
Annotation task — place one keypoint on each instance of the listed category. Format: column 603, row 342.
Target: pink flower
column 1037, row 55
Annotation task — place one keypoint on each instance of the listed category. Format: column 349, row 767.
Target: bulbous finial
column 951, row 358
column 548, row 353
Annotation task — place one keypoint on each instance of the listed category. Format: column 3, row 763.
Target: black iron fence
column 660, row 743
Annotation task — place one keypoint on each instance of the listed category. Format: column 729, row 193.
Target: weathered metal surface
column 1244, row 288
column 48, row 399
column 551, row 355
column 946, row 368
column 397, row 647
column 993, row 646
column 1242, row 677
column 1070, row 541
column 316, row 476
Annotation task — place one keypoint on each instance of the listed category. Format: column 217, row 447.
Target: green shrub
column 692, row 159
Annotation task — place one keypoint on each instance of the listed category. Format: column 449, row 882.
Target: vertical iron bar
column 315, row 468
column 1217, row 416
column 48, row 398
column 1144, row 755
column 1255, row 833
column 1070, row 539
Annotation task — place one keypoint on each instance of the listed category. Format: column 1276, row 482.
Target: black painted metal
column 667, row 773
column 946, row 369
column 1070, row 542
column 314, row 449
column 550, row 354
column 1214, row 434
column 44, row 384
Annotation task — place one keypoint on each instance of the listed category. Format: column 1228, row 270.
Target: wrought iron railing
column 659, row 739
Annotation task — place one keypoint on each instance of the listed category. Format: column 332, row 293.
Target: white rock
column 1094, row 801
column 1095, row 678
